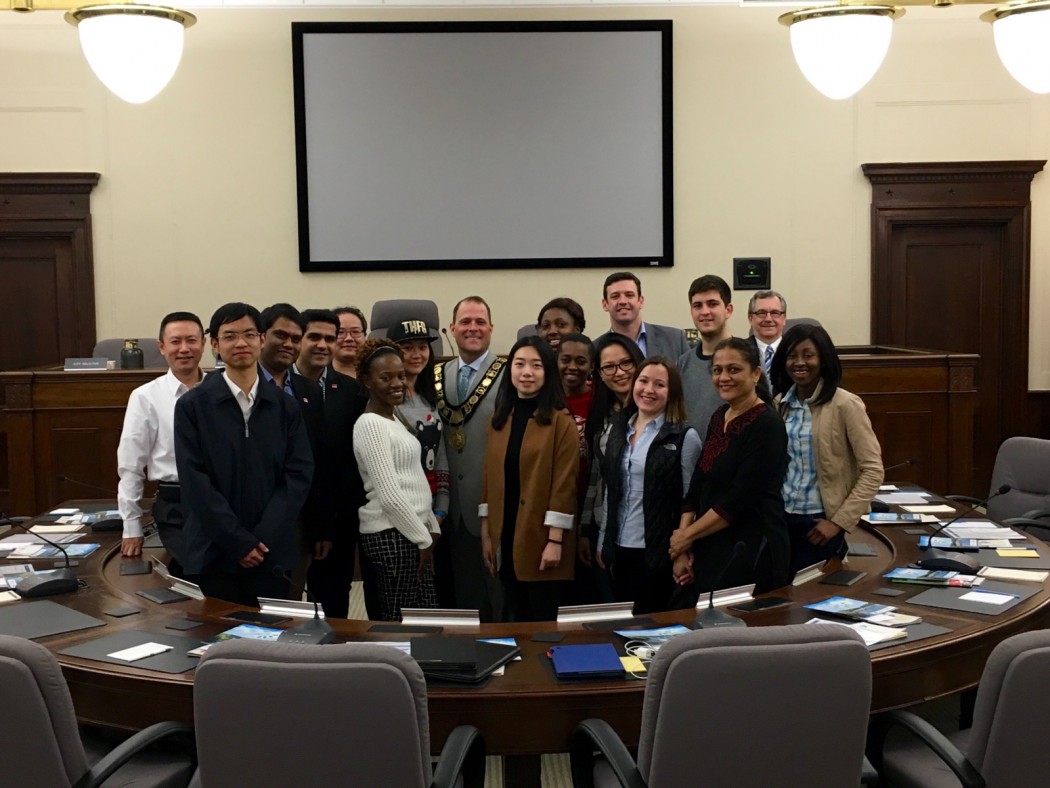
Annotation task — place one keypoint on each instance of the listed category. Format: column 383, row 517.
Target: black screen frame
column 306, row 264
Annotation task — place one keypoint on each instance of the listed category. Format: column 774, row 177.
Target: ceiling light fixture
column 133, row 49
column 1021, row 32
column 839, row 48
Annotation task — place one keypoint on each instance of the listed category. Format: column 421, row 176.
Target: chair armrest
column 965, row 499
column 195, row 780
column 1040, row 528
column 131, row 747
column 1036, row 514
column 594, row 733
column 928, row 735
column 868, row 775
column 463, row 755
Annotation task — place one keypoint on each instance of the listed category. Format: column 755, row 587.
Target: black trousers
column 330, row 580
column 242, row 588
column 803, row 553
column 651, row 590
column 167, row 516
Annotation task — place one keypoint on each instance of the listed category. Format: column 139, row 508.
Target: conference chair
column 272, row 714
column 41, row 745
column 110, row 349
column 1005, row 748
column 1024, row 464
column 527, row 331
column 742, row 708
column 394, row 310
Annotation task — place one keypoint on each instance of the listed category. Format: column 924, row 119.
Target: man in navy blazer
column 622, row 298
column 245, row 467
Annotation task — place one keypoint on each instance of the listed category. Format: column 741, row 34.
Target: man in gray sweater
column 710, row 303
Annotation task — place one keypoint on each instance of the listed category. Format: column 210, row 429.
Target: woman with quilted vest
column 649, row 461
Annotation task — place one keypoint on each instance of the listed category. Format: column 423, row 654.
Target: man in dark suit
column 244, row 466
column 622, row 298
column 282, row 338
column 331, row 576
column 466, row 389
column 767, row 313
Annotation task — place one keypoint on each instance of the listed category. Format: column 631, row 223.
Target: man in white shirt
column 147, row 444
column 767, row 312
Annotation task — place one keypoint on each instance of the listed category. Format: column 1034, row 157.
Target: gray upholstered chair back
column 1024, row 464
column 269, row 714
column 40, row 746
column 1011, row 721
column 386, row 313
column 151, row 357
column 757, row 707
column 527, row 331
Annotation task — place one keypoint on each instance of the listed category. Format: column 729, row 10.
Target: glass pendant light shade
column 839, row 48
column 133, row 49
column 1022, row 38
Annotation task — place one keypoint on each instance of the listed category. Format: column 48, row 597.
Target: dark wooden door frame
column 57, row 206
column 992, row 193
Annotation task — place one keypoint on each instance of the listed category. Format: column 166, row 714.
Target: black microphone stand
column 316, row 631
column 50, row 582
column 711, row 617
column 936, row 558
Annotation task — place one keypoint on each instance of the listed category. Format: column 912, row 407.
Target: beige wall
column 196, row 205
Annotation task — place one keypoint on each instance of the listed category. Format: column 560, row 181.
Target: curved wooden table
column 527, row 711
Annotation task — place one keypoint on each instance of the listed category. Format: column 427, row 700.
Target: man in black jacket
column 332, row 575
column 245, row 467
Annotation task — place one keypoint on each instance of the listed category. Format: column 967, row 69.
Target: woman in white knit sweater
column 398, row 527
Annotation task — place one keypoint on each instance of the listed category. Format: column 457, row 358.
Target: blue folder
column 589, row 661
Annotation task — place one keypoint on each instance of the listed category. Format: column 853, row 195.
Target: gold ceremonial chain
column 457, row 416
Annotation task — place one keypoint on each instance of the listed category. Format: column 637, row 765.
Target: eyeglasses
column 762, row 314
column 608, row 370
column 232, row 336
column 356, row 333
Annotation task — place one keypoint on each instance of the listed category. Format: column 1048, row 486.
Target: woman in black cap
column 418, row 412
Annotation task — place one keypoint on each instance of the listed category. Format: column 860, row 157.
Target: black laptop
column 491, row 657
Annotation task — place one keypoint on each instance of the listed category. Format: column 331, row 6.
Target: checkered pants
column 396, row 561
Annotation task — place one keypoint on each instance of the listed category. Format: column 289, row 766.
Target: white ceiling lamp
column 839, row 48
column 1022, row 38
column 133, row 49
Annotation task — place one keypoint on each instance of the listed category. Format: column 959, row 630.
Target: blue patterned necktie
column 768, row 360
column 465, row 374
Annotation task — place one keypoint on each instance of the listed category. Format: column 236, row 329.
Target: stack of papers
column 932, row 577
column 250, row 631
column 883, row 615
column 1029, row 575
column 872, row 633
column 982, row 529
column 901, row 498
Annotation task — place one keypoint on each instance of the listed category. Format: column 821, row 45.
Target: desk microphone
column 451, row 344
column 49, row 582
column 107, row 524
column 711, row 616
column 316, row 631
column 900, row 465
column 953, row 561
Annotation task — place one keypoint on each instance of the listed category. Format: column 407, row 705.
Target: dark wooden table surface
column 527, row 711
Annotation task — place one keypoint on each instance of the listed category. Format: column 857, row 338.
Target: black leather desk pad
column 988, row 557
column 42, row 618
column 948, row 598
column 174, row 661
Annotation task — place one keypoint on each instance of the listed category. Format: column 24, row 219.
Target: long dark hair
column 749, row 351
column 550, row 397
column 604, row 399
column 830, row 366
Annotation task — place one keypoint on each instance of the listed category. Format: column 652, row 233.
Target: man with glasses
column 244, row 465
column 147, row 441
column 767, row 312
column 711, row 306
column 352, row 329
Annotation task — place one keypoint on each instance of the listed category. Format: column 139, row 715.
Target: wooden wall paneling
column 47, row 266
column 950, row 266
